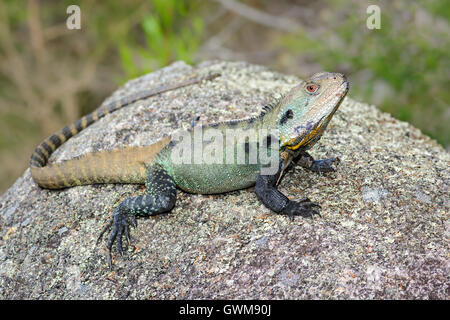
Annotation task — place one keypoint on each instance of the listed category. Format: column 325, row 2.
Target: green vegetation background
column 50, row 76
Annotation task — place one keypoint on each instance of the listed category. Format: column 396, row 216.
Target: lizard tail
column 122, row 165
column 42, row 153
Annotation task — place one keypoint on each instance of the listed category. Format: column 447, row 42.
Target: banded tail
column 42, row 153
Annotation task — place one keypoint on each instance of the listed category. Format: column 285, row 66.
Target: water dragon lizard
column 299, row 118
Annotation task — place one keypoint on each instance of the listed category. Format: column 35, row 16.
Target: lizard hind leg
column 160, row 197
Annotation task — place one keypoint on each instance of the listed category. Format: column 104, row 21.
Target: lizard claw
column 105, row 228
column 120, row 224
column 304, row 208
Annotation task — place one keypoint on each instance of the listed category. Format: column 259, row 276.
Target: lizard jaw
column 307, row 139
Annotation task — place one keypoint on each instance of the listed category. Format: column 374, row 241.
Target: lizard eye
column 312, row 88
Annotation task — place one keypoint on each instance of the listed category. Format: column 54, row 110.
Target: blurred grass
column 50, row 76
column 168, row 37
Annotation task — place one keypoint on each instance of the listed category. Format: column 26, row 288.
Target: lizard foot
column 120, row 224
column 325, row 165
column 304, row 208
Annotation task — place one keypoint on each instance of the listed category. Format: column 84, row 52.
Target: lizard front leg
column 305, row 160
column 160, row 197
column 268, row 193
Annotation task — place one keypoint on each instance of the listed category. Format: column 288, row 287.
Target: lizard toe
column 303, row 208
column 120, row 227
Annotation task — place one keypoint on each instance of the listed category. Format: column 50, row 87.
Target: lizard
column 298, row 119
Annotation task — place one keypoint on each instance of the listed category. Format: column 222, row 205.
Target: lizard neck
column 268, row 118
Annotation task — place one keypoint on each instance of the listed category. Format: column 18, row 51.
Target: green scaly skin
column 299, row 119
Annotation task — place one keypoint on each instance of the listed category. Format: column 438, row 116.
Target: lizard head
column 305, row 111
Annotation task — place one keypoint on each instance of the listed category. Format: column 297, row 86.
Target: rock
column 383, row 233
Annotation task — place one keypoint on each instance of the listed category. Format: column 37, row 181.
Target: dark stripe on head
column 287, row 115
